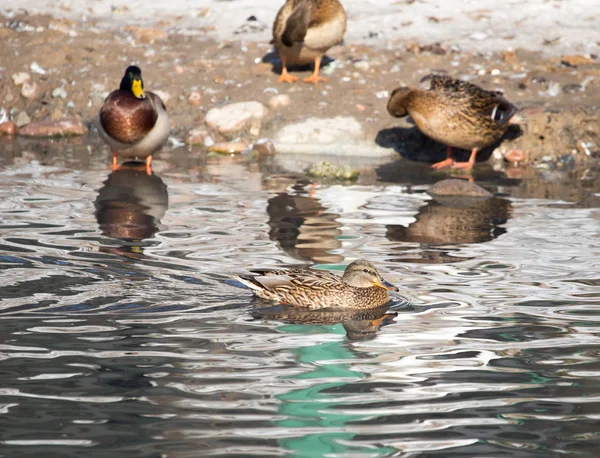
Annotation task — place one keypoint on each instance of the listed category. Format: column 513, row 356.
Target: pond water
column 123, row 334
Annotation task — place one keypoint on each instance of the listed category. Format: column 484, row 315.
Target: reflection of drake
column 303, row 229
column 131, row 203
column 359, row 324
column 455, row 221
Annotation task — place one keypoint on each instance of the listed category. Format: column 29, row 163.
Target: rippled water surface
column 123, row 334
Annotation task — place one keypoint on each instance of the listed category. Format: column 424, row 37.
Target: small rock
column 479, row 36
column 53, row 129
column 326, row 169
column 573, row 88
column 227, row 147
column 30, row 90
column 382, row 94
column 509, row 56
column 362, row 65
column 59, row 92
column 8, row 128
column 454, row 187
column 197, row 136
column 35, row 68
column 264, row 147
column 147, row 34
column 514, row 156
column 281, row 100
column 195, row 98
column 22, row 119
column 165, row 96
column 576, row 60
column 20, row 78
column 231, row 120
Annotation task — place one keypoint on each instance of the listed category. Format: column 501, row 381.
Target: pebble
column 164, row 96
column 8, row 128
column 362, row 65
column 456, row 187
column 197, row 136
column 382, row 94
column 59, row 92
column 22, row 119
column 195, row 98
column 35, row 68
column 264, row 147
column 281, row 100
column 230, row 120
column 479, row 36
column 30, row 90
column 514, row 156
column 227, row 147
column 53, row 129
column 20, row 78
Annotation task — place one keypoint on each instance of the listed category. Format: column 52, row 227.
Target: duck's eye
column 366, row 271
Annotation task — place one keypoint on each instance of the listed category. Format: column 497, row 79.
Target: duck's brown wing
column 297, row 23
column 126, row 118
column 489, row 104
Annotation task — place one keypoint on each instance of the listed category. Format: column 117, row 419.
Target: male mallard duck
column 304, row 30
column 134, row 123
column 361, row 287
column 455, row 113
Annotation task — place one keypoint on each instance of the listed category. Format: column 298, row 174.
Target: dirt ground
column 558, row 97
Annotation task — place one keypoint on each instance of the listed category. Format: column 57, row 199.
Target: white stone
column 231, row 120
column 20, row 78
column 164, row 96
column 343, row 129
column 30, row 90
column 59, row 92
column 281, row 100
column 35, row 68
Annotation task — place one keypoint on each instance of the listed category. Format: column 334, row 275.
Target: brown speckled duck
column 361, row 287
column 304, row 30
column 134, row 123
column 455, row 113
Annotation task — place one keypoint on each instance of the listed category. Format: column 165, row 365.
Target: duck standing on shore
column 455, row 113
column 133, row 122
column 361, row 287
column 303, row 31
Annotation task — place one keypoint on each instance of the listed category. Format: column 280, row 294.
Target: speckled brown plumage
column 126, row 118
column 361, row 287
column 454, row 112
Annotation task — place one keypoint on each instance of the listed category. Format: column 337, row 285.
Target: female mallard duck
column 361, row 287
column 455, row 113
column 134, row 123
column 304, row 30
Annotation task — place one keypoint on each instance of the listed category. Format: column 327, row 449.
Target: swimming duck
column 303, row 31
column 133, row 122
column 455, row 113
column 361, row 287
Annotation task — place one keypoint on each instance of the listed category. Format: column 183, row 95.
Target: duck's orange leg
column 446, row 162
column 315, row 78
column 285, row 76
column 149, row 165
column 115, row 161
column 469, row 164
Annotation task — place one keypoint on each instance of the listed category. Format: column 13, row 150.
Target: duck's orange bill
column 385, row 285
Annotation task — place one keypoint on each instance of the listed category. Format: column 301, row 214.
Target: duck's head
column 362, row 274
column 397, row 104
column 132, row 82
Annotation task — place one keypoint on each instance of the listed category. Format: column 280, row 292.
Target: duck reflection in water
column 452, row 221
column 358, row 324
column 303, row 228
column 131, row 204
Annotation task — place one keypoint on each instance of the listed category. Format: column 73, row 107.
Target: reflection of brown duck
column 359, row 324
column 131, row 203
column 454, row 221
column 303, row 228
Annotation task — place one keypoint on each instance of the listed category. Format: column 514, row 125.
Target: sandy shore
column 553, row 27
